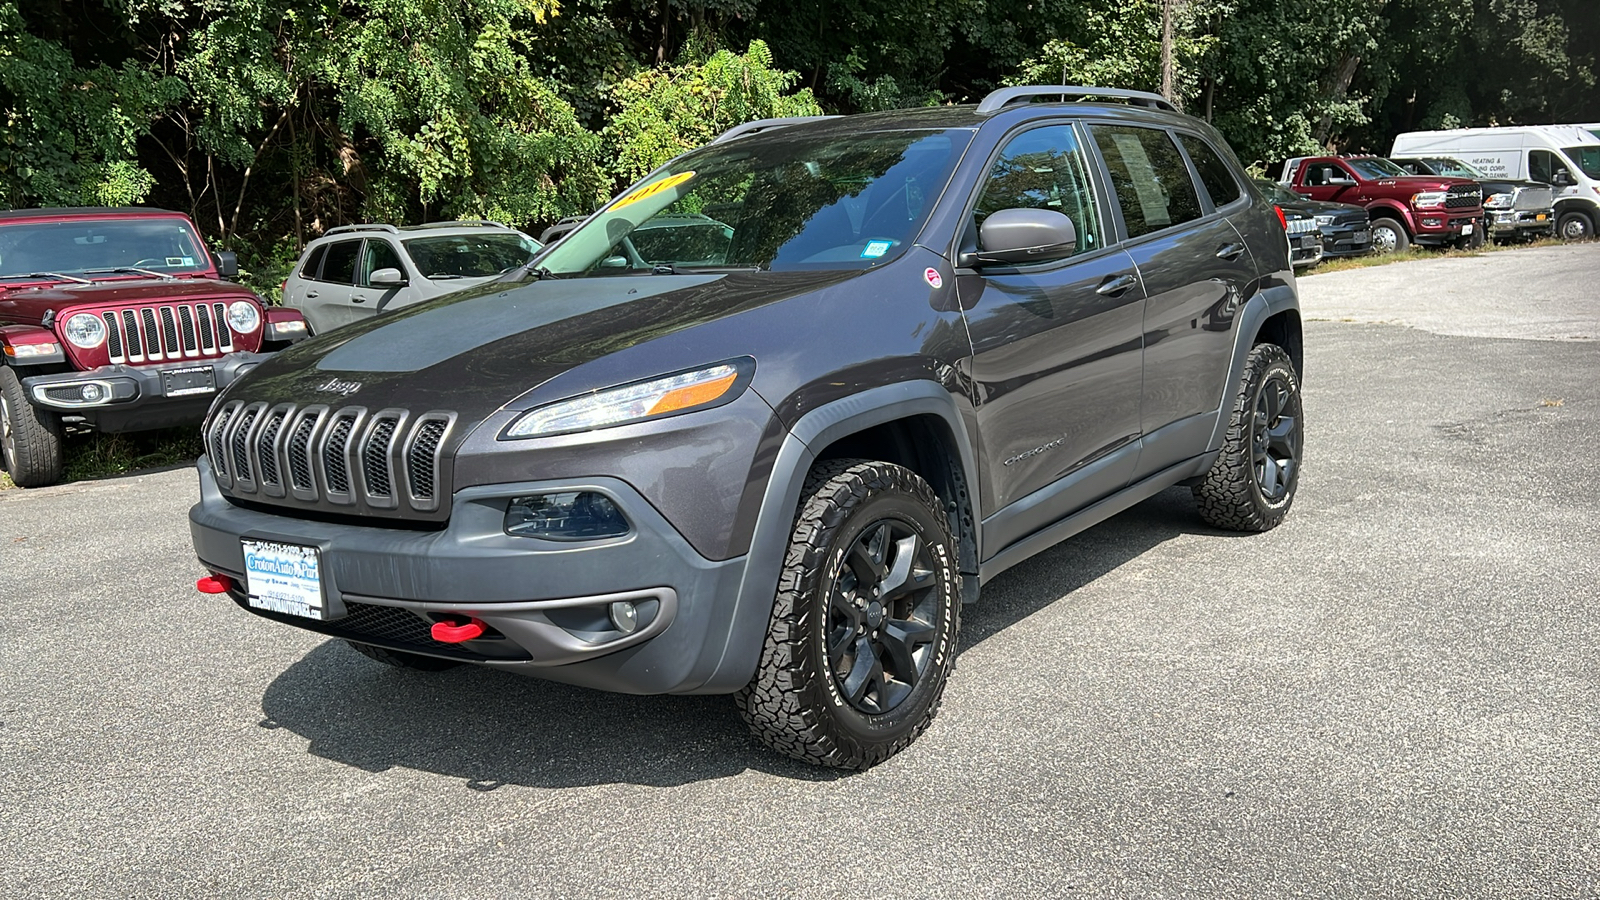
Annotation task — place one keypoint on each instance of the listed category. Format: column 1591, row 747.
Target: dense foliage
column 272, row 120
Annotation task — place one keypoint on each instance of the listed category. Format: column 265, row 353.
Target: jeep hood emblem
column 335, row 386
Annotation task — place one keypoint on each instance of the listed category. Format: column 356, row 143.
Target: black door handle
column 311, row 295
column 1230, row 251
column 358, row 299
column 1116, row 287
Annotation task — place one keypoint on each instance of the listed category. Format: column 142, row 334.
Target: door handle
column 1116, row 287
column 311, row 295
column 358, row 299
column 1230, row 252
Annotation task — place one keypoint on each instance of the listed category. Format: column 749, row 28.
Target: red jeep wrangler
column 1405, row 208
column 116, row 320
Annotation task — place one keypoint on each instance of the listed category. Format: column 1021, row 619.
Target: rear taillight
column 1283, row 220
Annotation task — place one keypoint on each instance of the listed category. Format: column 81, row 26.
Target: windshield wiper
column 518, row 273
column 57, row 275
column 675, row 269
column 119, row 269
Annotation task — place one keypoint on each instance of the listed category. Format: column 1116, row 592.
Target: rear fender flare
column 1269, row 302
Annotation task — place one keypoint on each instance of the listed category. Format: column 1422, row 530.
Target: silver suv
column 355, row 272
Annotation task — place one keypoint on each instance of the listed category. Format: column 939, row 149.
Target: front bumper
column 121, row 397
column 544, row 602
column 1346, row 241
column 1444, row 226
column 1505, row 223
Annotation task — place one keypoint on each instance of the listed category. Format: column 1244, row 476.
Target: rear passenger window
column 313, row 262
column 339, row 266
column 1044, row 169
column 1149, row 177
column 1214, row 173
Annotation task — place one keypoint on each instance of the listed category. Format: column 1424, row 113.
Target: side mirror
column 1022, row 236
column 390, row 277
column 1340, row 180
column 614, row 262
column 1562, row 178
column 227, row 264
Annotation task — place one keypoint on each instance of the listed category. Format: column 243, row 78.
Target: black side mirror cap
column 227, row 264
column 1022, row 236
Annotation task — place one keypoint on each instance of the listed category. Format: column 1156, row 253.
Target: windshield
column 838, row 202
column 166, row 246
column 1373, row 167
column 1454, row 168
column 1277, row 193
column 1586, row 158
column 470, row 255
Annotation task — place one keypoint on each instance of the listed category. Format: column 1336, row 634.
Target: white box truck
column 1566, row 156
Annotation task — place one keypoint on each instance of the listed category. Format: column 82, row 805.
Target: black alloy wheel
column 1252, row 483
column 1275, row 445
column 881, row 617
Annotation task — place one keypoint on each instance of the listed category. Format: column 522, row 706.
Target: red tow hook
column 451, row 633
column 214, row 584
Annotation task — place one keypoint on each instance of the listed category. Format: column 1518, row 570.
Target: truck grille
column 151, row 334
column 1463, row 197
column 320, row 458
column 1534, row 199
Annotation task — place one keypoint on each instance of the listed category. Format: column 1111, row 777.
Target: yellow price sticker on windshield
column 650, row 190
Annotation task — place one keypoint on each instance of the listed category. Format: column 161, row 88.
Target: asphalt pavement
column 1391, row 695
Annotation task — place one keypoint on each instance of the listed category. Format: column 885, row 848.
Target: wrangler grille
column 330, row 459
column 166, row 332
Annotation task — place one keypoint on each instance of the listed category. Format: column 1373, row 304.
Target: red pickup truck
column 1405, row 208
column 116, row 320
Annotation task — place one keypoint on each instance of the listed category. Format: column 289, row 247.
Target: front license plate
column 284, row 578
column 1466, row 229
column 183, row 382
column 1360, row 236
column 1539, row 217
column 1309, row 240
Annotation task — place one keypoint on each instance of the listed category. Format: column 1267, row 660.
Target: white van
column 1567, row 156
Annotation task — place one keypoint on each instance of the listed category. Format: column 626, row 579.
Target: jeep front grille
column 316, row 457
column 167, row 332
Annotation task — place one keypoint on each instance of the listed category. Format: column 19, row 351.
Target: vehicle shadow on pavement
column 492, row 728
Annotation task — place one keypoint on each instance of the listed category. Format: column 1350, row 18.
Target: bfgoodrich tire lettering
column 30, row 437
column 1251, row 485
column 863, row 628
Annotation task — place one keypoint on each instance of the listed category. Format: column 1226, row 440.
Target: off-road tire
column 1231, row 495
column 796, row 703
column 403, row 660
column 30, row 437
column 1402, row 241
column 1575, row 226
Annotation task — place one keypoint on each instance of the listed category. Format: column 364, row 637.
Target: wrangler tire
column 863, row 630
column 1252, row 483
column 30, row 437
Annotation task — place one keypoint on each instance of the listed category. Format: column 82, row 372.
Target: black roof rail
column 998, row 100
column 739, row 131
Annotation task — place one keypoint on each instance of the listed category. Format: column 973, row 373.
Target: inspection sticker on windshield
column 652, row 189
column 284, row 578
column 935, row 280
column 876, row 249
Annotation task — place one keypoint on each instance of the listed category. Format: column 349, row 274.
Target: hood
column 476, row 351
column 29, row 303
column 1312, row 207
column 1430, row 182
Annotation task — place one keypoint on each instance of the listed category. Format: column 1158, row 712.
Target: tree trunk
column 1336, row 94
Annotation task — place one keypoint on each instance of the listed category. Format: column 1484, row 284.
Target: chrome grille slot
column 224, row 333
column 152, row 336
column 186, row 324
column 169, row 332
column 113, row 337
column 135, row 342
column 208, row 340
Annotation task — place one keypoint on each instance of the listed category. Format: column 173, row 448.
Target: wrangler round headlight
column 85, row 330
column 243, row 316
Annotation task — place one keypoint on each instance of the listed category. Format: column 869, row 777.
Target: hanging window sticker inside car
column 652, row 189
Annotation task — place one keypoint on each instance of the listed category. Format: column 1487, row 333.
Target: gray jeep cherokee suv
column 884, row 358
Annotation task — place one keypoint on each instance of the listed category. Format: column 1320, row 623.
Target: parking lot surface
column 1391, row 695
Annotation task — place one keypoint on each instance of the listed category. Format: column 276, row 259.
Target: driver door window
column 1542, row 166
column 378, row 254
column 1044, row 169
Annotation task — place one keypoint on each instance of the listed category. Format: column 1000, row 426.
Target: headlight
column 1495, row 201
column 1428, row 199
column 243, row 316
column 664, row 396
column 1324, row 221
column 85, row 330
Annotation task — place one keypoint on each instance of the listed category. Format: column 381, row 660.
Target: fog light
column 1430, row 223
column 625, row 616
column 567, row 516
column 92, row 393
